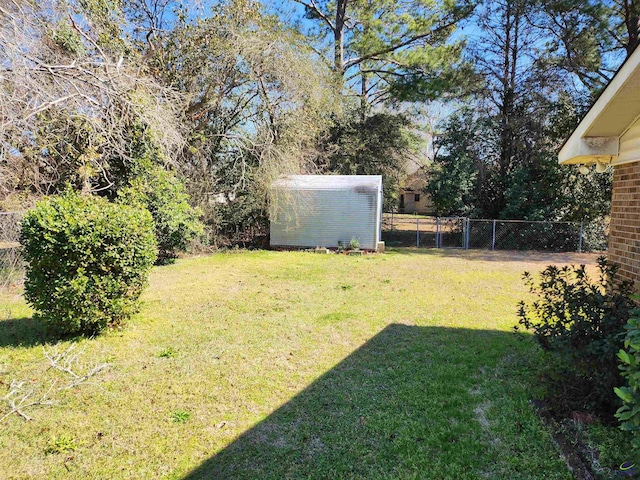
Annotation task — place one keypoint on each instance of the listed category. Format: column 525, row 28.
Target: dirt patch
column 570, row 454
column 481, row 414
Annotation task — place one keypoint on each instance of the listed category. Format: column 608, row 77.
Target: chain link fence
column 468, row 233
column 523, row 235
column 11, row 268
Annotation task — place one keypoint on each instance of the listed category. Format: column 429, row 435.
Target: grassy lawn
column 258, row 365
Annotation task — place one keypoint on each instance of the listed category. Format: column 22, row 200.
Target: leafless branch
column 24, row 395
column 65, row 362
column 46, row 93
column 311, row 5
column 20, row 398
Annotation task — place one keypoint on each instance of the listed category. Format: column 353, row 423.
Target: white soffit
column 614, row 111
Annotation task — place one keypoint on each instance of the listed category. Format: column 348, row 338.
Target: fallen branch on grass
column 64, row 362
column 22, row 394
column 19, row 399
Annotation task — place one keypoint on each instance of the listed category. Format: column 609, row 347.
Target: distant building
column 412, row 197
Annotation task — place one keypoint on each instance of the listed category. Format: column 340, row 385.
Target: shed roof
column 597, row 136
column 328, row 182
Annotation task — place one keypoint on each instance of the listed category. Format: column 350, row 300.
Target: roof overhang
column 597, row 137
column 589, row 150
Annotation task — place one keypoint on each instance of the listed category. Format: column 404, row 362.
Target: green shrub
column 176, row 222
column 87, row 261
column 629, row 413
column 580, row 323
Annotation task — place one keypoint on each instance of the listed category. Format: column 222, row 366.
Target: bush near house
column 579, row 322
column 629, row 413
column 87, row 261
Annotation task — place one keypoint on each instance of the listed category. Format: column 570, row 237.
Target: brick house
column 609, row 134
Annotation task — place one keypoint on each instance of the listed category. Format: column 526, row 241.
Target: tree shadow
column 401, row 406
column 525, row 256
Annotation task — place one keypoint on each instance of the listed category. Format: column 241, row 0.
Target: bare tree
column 257, row 100
column 68, row 99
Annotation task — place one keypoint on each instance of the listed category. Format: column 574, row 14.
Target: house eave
column 616, row 109
column 590, row 150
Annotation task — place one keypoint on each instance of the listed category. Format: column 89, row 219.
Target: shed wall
column 310, row 218
column 624, row 235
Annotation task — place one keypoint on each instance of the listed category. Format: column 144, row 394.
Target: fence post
column 493, row 237
column 437, row 232
column 417, row 232
column 391, row 235
column 580, row 241
column 466, row 237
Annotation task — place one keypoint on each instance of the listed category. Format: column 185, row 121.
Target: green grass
column 61, row 444
column 180, row 416
column 279, row 365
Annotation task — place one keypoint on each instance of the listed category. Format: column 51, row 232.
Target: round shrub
column 88, row 261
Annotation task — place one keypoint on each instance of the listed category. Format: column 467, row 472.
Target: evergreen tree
column 386, row 50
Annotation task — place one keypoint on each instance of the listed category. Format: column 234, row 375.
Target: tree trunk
column 364, row 104
column 632, row 20
column 338, row 35
column 506, row 109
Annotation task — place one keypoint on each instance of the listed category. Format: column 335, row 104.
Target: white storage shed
column 323, row 210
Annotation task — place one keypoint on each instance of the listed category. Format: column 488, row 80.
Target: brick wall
column 624, row 234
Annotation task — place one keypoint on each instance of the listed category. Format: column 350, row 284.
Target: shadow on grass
column 23, row 332
column 502, row 255
column 404, row 405
column 400, row 238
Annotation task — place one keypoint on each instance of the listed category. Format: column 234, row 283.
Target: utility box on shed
column 326, row 210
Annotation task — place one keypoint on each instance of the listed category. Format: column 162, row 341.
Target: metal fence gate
column 470, row 233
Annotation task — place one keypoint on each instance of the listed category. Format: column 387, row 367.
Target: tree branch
column 314, row 7
column 392, row 48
